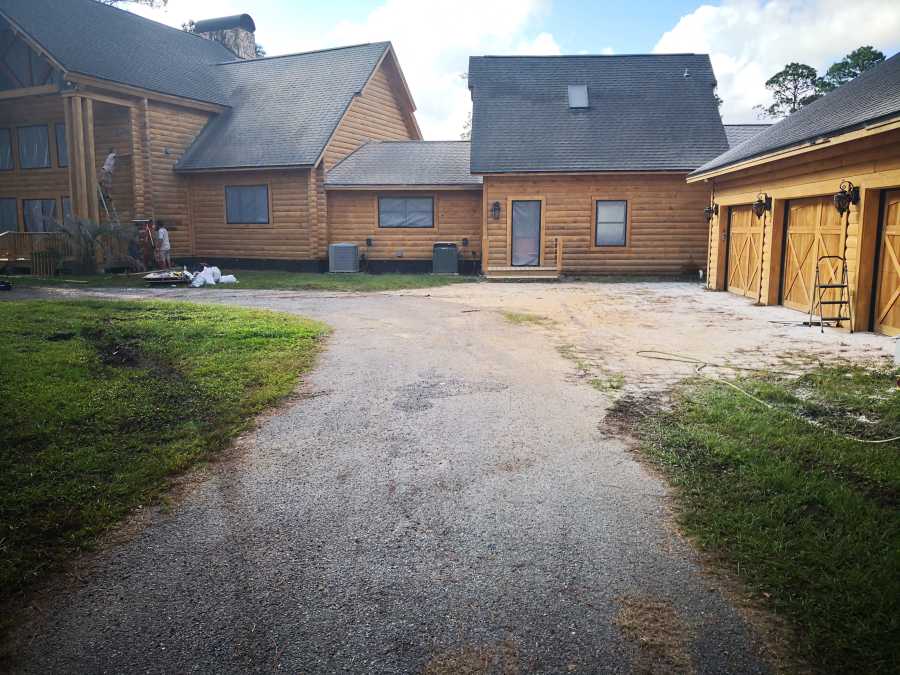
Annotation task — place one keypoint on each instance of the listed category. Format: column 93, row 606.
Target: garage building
column 847, row 144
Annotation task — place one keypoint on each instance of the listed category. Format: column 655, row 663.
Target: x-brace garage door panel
column 887, row 298
column 745, row 237
column 813, row 230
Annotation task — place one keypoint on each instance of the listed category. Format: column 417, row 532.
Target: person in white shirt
column 106, row 172
column 164, row 248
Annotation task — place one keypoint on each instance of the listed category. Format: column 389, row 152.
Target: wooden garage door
column 887, row 299
column 813, row 229
column 744, row 251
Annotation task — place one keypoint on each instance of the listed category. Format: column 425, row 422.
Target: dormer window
column 578, row 96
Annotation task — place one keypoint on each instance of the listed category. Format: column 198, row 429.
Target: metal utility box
column 445, row 259
column 343, row 258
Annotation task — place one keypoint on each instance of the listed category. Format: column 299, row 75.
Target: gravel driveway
column 443, row 498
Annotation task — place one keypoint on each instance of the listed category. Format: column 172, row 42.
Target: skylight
column 578, row 96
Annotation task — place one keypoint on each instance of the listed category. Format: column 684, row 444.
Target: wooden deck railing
column 41, row 252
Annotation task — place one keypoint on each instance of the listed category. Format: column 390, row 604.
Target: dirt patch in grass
column 501, row 658
column 526, row 318
column 662, row 638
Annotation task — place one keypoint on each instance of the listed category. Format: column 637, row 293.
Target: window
column 247, row 204
column 6, row 160
column 578, row 96
column 39, row 214
column 9, row 215
column 67, row 208
column 611, row 223
column 34, row 147
column 62, row 150
column 405, row 212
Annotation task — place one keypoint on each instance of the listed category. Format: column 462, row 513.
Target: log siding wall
column 871, row 163
column 171, row 129
column 287, row 235
column 353, row 217
column 377, row 114
column 667, row 233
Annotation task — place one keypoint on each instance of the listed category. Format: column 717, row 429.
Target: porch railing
column 41, row 252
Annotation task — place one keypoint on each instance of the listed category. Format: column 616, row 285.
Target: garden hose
column 701, row 364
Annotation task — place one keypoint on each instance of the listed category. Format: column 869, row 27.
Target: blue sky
column 747, row 40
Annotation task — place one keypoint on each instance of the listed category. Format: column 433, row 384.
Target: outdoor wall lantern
column 762, row 204
column 495, row 210
column 847, row 195
column 711, row 211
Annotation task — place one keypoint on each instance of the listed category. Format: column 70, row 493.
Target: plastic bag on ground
column 228, row 279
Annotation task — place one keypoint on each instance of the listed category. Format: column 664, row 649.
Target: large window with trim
column 39, row 215
column 9, row 214
column 34, row 147
column 406, row 212
column 611, row 222
column 247, row 204
column 6, row 151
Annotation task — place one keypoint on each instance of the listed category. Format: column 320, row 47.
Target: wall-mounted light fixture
column 762, row 204
column 465, row 241
column 495, row 210
column 369, row 241
column 711, row 211
column 847, row 195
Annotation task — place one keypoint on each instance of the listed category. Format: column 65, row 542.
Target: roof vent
column 687, row 73
column 578, row 96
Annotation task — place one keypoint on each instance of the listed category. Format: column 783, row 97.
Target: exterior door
column 887, row 294
column 745, row 235
column 525, row 233
column 813, row 229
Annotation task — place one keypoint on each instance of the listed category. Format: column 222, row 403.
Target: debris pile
column 208, row 276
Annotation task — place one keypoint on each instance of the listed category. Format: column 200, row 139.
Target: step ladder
column 112, row 215
column 830, row 310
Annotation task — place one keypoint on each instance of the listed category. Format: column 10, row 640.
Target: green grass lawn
column 102, row 402
column 261, row 280
column 805, row 516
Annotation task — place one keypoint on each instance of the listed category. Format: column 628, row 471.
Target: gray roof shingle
column 738, row 133
column 872, row 96
column 644, row 114
column 93, row 39
column 405, row 163
column 283, row 109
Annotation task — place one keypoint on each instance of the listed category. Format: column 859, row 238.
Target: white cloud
column 750, row 40
column 433, row 41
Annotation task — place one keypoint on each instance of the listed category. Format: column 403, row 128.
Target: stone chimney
column 235, row 32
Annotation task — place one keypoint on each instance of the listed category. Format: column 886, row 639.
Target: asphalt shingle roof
column 405, row 163
column 872, row 96
column 93, row 39
column 284, row 108
column 738, row 133
column 644, row 114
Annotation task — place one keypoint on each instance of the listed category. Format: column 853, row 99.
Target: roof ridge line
column 584, row 56
column 312, row 51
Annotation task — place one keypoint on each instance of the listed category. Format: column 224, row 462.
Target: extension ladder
column 111, row 214
column 839, row 310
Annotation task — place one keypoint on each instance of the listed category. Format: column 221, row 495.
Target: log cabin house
column 229, row 151
column 267, row 161
column 846, row 144
column 584, row 160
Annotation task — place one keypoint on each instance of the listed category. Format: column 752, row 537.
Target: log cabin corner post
column 90, row 161
column 77, row 162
